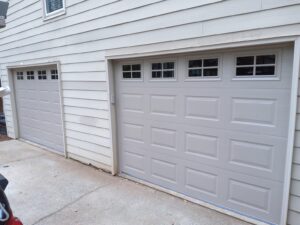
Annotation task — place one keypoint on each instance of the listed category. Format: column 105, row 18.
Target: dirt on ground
column 4, row 138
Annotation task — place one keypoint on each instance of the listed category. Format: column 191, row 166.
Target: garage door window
column 132, row 71
column 20, row 76
column 163, row 70
column 54, row 75
column 30, row 75
column 203, row 68
column 42, row 75
column 256, row 66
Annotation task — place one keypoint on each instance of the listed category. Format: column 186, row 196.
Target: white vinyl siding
column 90, row 29
column 294, row 214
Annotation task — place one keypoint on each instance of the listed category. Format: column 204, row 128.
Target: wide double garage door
column 38, row 107
column 212, row 127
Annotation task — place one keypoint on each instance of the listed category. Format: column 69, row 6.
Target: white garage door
column 38, row 107
column 211, row 127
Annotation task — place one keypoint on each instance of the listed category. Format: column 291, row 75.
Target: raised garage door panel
column 38, row 108
column 222, row 140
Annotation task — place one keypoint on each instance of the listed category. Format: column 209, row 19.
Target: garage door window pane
column 244, row 71
column 168, row 65
column 210, row 72
column 156, row 66
column 265, row 59
column 126, row 67
column 265, row 70
column 168, row 74
column 247, row 60
column 126, row 75
column 156, row 74
column 195, row 63
column 195, row 73
column 136, row 67
column 210, row 62
column 136, row 74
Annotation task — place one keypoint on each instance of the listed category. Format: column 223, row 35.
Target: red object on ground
column 7, row 216
column 13, row 220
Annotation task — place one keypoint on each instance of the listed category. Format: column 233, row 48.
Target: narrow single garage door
column 212, row 127
column 38, row 107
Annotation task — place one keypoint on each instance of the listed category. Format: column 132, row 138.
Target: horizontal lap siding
column 84, row 90
column 7, row 105
column 294, row 213
column 80, row 39
column 139, row 34
column 85, row 101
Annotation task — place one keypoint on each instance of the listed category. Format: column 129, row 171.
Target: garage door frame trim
column 10, row 71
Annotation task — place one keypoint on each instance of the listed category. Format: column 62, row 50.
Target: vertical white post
column 62, row 111
column 11, row 84
column 112, row 112
column 291, row 132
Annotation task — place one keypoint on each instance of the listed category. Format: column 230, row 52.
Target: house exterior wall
column 90, row 30
column 294, row 213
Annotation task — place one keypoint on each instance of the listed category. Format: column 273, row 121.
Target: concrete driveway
column 47, row 189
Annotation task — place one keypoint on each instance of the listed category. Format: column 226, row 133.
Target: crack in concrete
column 72, row 202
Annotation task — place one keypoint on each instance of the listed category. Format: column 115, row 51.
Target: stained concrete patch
column 46, row 189
column 3, row 137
